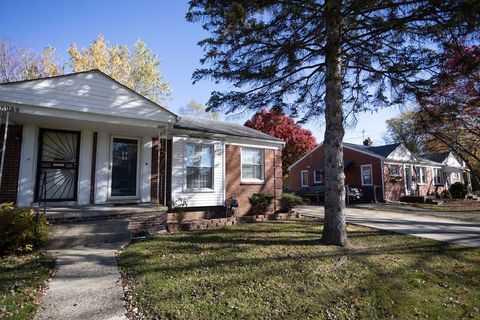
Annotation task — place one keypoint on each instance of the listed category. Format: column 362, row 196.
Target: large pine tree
column 330, row 57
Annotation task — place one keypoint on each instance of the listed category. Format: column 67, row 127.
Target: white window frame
column 419, row 175
column 315, row 176
column 213, row 167
column 262, row 166
column 371, row 174
column 398, row 171
column 302, row 180
column 440, row 180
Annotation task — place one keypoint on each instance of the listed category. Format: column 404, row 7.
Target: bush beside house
column 21, row 229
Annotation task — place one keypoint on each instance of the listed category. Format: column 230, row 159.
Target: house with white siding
column 84, row 139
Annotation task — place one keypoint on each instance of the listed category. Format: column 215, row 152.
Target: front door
column 57, row 169
column 124, row 173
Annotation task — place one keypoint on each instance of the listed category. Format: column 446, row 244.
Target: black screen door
column 57, row 172
column 124, row 167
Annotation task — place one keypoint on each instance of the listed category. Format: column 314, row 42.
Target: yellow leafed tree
column 138, row 70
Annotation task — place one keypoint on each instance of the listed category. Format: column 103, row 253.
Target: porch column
column 28, row 164
column 103, row 163
column 469, row 182
column 146, row 169
column 85, row 167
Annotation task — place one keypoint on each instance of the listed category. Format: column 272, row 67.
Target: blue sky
column 161, row 24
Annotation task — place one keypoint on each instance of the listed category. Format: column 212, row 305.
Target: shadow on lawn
column 383, row 265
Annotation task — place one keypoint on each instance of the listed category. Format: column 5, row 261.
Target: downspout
column 4, row 147
column 165, row 168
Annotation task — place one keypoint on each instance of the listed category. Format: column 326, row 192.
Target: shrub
column 289, row 201
column 458, row 190
column 20, row 231
column 446, row 194
column 181, row 205
column 260, row 203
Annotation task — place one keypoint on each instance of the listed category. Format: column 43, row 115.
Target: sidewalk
column 86, row 285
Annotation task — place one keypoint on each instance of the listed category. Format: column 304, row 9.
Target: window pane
column 367, row 175
column 252, row 163
column 199, row 166
column 199, row 177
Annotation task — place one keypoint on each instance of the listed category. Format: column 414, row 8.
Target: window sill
column 252, row 182
column 198, row 191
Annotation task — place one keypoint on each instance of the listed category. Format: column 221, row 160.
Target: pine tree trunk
column 334, row 231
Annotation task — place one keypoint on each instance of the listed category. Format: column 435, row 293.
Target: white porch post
column 85, row 167
column 103, row 166
column 146, row 169
column 469, row 182
column 28, row 164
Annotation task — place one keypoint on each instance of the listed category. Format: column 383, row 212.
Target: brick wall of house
column 352, row 171
column 394, row 186
column 242, row 191
column 429, row 186
column 154, row 175
column 8, row 191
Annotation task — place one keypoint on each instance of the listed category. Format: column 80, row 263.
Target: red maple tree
column 298, row 141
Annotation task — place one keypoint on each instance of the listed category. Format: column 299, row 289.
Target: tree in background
column 197, row 109
column 21, row 63
column 138, row 70
column 402, row 129
column 325, row 57
column 298, row 141
column 450, row 112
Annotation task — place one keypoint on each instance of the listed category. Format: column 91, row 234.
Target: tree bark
column 334, row 230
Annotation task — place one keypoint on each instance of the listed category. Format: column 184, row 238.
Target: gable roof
column 437, row 157
column 220, row 127
column 382, row 151
column 90, row 91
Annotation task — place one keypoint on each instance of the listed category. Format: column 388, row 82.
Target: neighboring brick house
column 384, row 173
column 85, row 139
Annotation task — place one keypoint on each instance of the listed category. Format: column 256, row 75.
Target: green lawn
column 279, row 270
column 20, row 279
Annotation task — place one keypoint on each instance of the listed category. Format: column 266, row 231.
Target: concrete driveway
column 441, row 229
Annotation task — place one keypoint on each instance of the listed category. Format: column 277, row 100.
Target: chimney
column 367, row 142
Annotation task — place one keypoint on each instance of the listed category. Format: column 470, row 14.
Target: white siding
column 146, row 166
column 102, row 168
column 89, row 92
column 28, row 165
column 201, row 198
column 85, row 167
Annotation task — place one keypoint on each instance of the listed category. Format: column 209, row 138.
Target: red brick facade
column 242, row 190
column 354, row 161
column 395, row 185
column 11, row 169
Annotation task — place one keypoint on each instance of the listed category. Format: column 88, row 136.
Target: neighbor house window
column 437, row 176
column 394, row 170
column 304, row 178
column 252, row 164
column 422, row 176
column 199, row 166
column 317, row 176
column 367, row 177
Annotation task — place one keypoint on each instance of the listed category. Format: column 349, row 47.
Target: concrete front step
column 71, row 235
